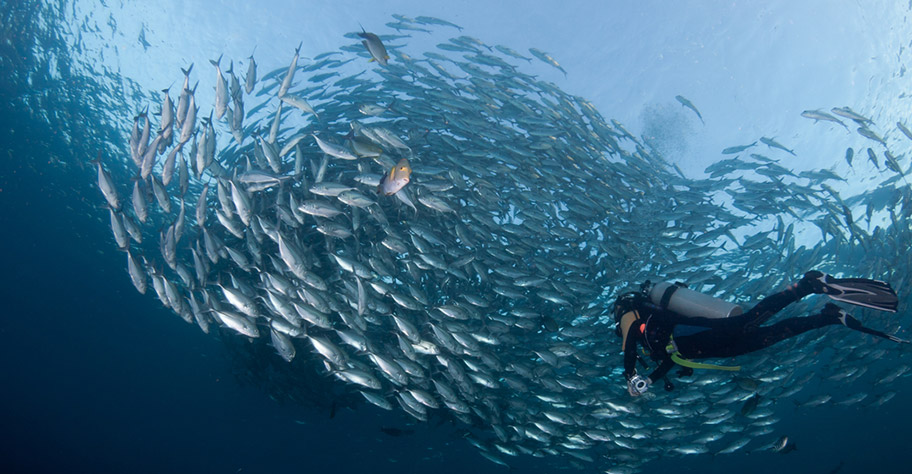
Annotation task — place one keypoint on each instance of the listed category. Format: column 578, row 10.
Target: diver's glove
column 637, row 385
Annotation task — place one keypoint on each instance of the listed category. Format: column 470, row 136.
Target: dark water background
column 95, row 377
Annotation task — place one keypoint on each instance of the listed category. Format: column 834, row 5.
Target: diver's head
column 624, row 304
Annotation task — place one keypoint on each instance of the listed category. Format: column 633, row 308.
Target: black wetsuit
column 701, row 338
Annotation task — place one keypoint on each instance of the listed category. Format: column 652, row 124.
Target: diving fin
column 882, row 334
column 848, row 321
column 873, row 294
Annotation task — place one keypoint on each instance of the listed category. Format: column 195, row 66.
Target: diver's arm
column 636, row 384
column 630, row 354
column 662, row 369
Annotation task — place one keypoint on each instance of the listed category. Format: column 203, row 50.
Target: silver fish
column 250, row 79
column 289, row 75
column 237, row 322
column 106, row 185
column 139, row 203
column 137, row 274
column 221, row 90
column 334, row 150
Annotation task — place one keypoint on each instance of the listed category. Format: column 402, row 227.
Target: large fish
column 137, row 273
column 396, row 179
column 183, row 100
column 374, row 47
column 737, row 149
column 167, row 117
column 334, row 150
column 106, row 185
column 250, row 78
column 221, row 90
column 818, row 115
column 772, row 143
column 546, row 58
column 850, row 114
column 289, row 75
column 139, row 203
column 686, row 103
column 189, row 124
column 299, row 102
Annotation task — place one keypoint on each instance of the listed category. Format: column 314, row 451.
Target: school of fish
column 445, row 235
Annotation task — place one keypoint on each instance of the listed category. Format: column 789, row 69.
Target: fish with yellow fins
column 374, row 47
column 396, row 179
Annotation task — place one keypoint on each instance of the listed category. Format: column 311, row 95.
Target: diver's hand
column 637, row 385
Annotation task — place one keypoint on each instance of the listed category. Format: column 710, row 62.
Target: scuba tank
column 675, row 297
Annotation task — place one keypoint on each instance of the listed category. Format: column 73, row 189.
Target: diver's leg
column 774, row 303
column 848, row 321
column 719, row 343
column 757, row 315
column 762, row 337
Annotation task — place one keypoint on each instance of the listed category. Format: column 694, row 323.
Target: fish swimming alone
column 686, row 103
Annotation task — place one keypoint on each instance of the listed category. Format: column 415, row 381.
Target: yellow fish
column 396, row 179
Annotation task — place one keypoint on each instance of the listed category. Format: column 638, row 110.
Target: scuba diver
column 675, row 324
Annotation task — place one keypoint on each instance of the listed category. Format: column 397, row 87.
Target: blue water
column 95, row 377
